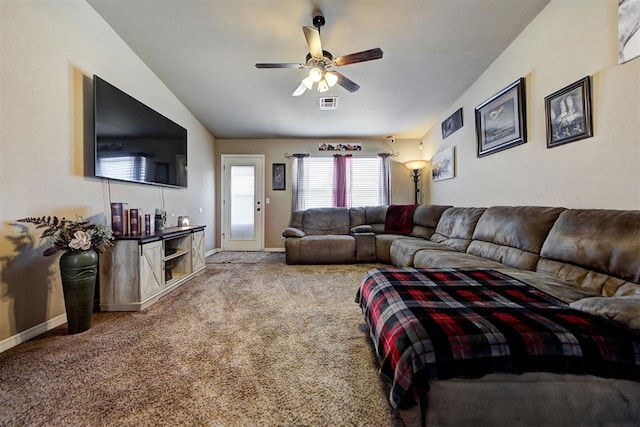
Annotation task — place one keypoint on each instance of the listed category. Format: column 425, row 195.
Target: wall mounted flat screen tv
column 135, row 143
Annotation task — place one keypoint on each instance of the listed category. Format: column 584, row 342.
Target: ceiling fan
column 321, row 63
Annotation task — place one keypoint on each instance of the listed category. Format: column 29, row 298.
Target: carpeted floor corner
column 249, row 342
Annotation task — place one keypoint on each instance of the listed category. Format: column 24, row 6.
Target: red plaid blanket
column 446, row 323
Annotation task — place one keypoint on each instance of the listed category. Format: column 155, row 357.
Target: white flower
column 81, row 240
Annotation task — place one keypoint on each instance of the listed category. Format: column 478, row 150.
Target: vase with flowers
column 79, row 240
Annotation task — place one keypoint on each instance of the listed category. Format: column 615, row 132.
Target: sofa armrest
column 360, row 229
column 293, row 232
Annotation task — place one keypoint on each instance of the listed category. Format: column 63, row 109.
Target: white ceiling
column 205, row 52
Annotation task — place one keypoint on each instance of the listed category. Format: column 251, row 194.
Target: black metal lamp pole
column 415, row 174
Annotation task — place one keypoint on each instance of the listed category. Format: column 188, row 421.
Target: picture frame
column 352, row 146
column 452, row 123
column 501, row 121
column 628, row 30
column 443, row 165
column 279, row 177
column 568, row 113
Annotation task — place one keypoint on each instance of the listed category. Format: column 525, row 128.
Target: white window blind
column 364, row 186
column 366, row 180
column 320, row 175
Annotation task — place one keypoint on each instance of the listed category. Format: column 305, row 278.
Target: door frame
column 260, row 185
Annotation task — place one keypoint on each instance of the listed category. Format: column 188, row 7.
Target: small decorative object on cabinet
column 138, row 270
column 79, row 240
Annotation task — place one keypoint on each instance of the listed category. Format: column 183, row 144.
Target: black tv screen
column 135, row 143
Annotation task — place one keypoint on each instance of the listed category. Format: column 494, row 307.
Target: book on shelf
column 120, row 218
column 134, row 221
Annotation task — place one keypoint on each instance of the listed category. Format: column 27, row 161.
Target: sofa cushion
column 425, row 220
column 375, row 214
column 357, row 216
column 437, row 258
column 513, row 235
column 323, row 221
column 403, row 251
column 595, row 249
column 625, row 310
column 383, row 245
column 321, row 249
column 296, row 219
column 293, row 232
column 549, row 284
column 455, row 227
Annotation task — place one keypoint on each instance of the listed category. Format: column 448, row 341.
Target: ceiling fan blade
column 279, row 65
column 353, row 58
column 300, row 90
column 346, row 83
column 313, row 40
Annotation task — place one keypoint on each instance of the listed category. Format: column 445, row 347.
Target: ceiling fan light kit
column 320, row 63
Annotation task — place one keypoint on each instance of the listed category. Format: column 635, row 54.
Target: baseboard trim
column 211, row 252
column 23, row 336
column 216, row 250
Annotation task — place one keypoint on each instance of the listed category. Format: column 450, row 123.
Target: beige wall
column 278, row 211
column 50, row 51
column 566, row 42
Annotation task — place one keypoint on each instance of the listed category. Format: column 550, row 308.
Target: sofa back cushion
column 513, row 235
column 357, row 216
column 455, row 227
column 375, row 216
column 317, row 221
column 595, row 249
column 425, row 220
column 296, row 219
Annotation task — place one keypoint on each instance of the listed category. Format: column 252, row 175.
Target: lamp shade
column 322, row 86
column 415, row 164
column 315, row 74
column 330, row 78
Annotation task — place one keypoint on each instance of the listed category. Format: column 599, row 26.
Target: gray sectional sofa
column 588, row 258
column 595, row 251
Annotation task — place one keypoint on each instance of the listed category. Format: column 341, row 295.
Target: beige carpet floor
column 249, row 342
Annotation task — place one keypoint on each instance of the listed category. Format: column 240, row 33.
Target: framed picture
column 501, row 120
column 443, row 165
column 568, row 113
column 278, row 179
column 628, row 30
column 354, row 146
column 452, row 124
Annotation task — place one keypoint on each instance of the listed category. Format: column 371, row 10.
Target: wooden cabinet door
column 197, row 251
column 151, row 277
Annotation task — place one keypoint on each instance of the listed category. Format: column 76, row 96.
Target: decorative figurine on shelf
column 160, row 219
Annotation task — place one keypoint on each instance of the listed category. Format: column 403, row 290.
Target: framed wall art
column 354, row 146
column 568, row 113
column 628, row 30
column 443, row 165
column 278, row 179
column 501, row 120
column 452, row 123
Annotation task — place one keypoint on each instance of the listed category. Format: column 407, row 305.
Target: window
column 314, row 183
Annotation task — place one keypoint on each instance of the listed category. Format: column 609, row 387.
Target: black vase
column 78, row 270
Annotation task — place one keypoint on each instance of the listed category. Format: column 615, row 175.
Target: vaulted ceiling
column 205, row 52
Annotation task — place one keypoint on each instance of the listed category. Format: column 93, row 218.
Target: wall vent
column 329, row 103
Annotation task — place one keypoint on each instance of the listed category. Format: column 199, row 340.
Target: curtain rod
column 289, row 156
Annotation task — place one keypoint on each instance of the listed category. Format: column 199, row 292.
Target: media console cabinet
column 137, row 270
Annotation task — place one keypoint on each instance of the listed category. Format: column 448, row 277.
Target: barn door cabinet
column 137, row 270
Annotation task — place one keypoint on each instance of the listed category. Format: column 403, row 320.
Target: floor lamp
column 416, row 166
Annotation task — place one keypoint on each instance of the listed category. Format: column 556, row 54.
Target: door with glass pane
column 242, row 202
